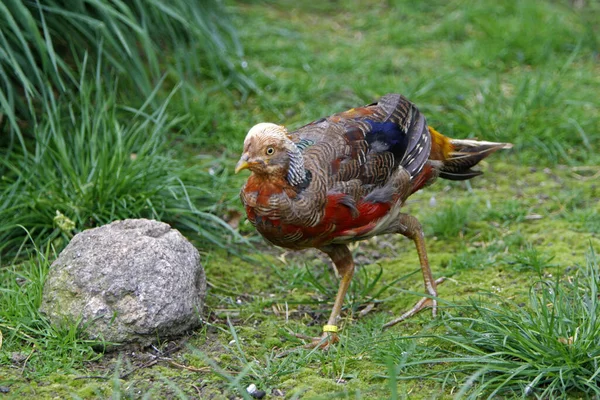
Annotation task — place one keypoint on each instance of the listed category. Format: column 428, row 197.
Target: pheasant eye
column 270, row 151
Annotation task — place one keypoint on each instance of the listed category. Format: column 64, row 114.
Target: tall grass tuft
column 43, row 43
column 548, row 348
column 94, row 160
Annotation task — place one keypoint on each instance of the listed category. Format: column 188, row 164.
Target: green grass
column 449, row 222
column 30, row 342
column 510, row 242
column 87, row 168
column 546, row 347
column 451, row 59
column 86, row 128
column 44, row 43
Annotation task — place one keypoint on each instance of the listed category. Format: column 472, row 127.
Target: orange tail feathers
column 458, row 156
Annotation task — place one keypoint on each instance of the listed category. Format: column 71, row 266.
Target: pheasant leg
column 411, row 228
column 342, row 259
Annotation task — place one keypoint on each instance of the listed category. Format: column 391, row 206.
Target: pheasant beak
column 242, row 164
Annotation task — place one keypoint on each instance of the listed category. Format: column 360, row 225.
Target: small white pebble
column 232, row 342
column 252, row 388
column 432, row 201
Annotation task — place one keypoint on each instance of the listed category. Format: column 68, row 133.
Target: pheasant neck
column 296, row 172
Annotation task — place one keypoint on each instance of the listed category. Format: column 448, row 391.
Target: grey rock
column 131, row 281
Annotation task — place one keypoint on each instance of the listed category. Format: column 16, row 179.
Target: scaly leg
column 411, row 228
column 342, row 259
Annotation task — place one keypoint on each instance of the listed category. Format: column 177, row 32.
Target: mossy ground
column 525, row 72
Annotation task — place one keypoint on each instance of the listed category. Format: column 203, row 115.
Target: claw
column 323, row 342
column 425, row 302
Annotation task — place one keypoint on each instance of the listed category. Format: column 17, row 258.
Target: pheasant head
column 269, row 151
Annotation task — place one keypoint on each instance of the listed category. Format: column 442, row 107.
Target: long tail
column 458, row 156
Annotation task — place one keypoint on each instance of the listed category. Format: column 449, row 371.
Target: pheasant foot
column 425, row 302
column 322, row 342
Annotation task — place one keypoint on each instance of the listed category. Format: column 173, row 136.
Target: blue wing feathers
column 389, row 133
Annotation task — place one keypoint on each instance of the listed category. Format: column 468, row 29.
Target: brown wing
column 361, row 149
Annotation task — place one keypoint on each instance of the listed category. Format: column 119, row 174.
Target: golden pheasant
column 345, row 178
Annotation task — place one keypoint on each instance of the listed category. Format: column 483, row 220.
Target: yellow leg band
column 330, row 328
